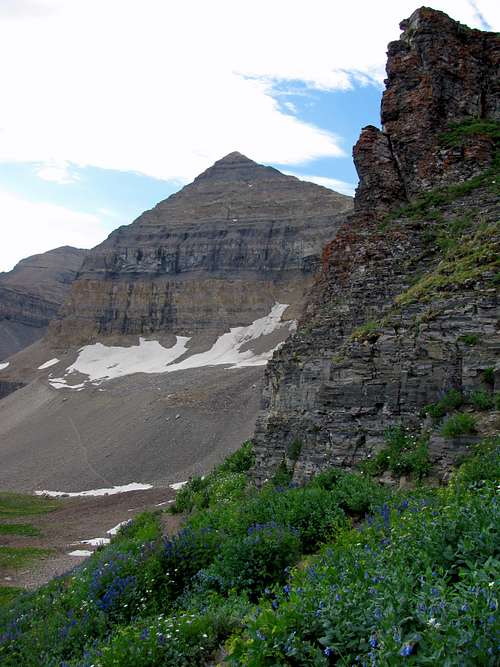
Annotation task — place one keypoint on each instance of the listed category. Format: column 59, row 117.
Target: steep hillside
column 153, row 370
column 32, row 294
column 405, row 310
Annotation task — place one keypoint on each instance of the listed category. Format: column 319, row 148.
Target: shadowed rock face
column 439, row 72
column 32, row 294
column 369, row 352
column 217, row 254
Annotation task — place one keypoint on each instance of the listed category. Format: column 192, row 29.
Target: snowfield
column 101, row 362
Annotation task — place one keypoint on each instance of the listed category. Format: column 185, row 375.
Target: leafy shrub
column 405, row 453
column 452, row 400
column 481, row 400
column 294, row 449
column 489, row 376
column 226, row 483
column 259, row 559
column 460, row 424
column 355, row 494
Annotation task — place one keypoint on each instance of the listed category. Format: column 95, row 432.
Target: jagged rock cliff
column 32, row 294
column 217, row 254
column 406, row 305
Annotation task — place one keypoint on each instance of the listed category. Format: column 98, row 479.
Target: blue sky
column 107, row 108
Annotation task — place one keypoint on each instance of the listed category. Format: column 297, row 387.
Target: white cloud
column 331, row 183
column 30, row 227
column 57, row 172
column 165, row 88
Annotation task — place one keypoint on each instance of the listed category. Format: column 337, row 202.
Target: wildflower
column 328, row 651
column 373, row 642
column 260, row 636
column 433, row 623
column 406, row 650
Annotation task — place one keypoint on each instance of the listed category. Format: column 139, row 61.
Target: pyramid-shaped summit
column 238, row 221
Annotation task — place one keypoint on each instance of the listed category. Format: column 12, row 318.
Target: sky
column 109, row 106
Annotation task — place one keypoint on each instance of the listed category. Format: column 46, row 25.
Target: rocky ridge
column 32, row 294
column 406, row 306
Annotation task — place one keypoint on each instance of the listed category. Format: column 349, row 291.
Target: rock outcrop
column 438, row 73
column 32, row 294
column 215, row 255
column 405, row 309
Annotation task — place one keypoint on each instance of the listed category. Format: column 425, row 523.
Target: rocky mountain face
column 32, row 294
column 405, row 308
column 217, row 254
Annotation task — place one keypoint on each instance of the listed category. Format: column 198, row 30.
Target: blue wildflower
column 406, row 650
column 328, row 651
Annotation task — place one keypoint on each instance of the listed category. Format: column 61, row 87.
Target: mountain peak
column 233, row 157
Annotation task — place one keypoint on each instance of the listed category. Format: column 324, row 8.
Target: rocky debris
column 369, row 352
column 32, row 294
column 439, row 72
column 215, row 255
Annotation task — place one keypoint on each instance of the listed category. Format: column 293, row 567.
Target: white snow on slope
column 115, row 529
column 134, row 486
column 48, row 364
column 177, row 485
column 96, row 541
column 80, row 553
column 100, row 362
column 2, row 366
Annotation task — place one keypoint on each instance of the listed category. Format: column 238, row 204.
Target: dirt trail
column 79, row 519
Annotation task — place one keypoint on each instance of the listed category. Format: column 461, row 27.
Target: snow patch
column 48, row 364
column 134, row 486
column 4, row 365
column 81, row 553
column 96, row 541
column 178, row 485
column 101, row 363
column 113, row 531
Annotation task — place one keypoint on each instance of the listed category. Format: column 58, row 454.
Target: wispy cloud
column 480, row 16
column 57, row 172
column 32, row 227
column 330, row 183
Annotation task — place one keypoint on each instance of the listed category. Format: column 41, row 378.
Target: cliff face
column 32, row 294
column 439, row 72
column 406, row 306
column 217, row 254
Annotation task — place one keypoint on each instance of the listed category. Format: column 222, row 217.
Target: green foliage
column 294, row 449
column 257, row 559
column 413, row 575
column 368, row 331
column 8, row 594
column 489, row 376
column 12, row 558
column 283, row 474
column 457, row 132
column 452, row 400
column 461, row 423
column 226, row 483
column 475, row 255
column 405, row 453
column 469, row 339
column 481, row 399
column 416, row 584
column 18, row 504
column 18, row 529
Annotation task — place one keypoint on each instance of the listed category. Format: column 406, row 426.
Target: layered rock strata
column 32, row 294
column 217, row 254
column 405, row 310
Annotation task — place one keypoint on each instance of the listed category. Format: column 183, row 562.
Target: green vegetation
column 457, row 132
column 294, row 449
column 17, row 504
column 24, row 529
column 280, row 577
column 469, row 339
column 405, row 453
column 8, row 594
column 452, row 400
column 368, row 331
column 12, row 558
column 489, row 376
column 474, row 256
column 227, row 482
column 462, row 423
column 482, row 400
